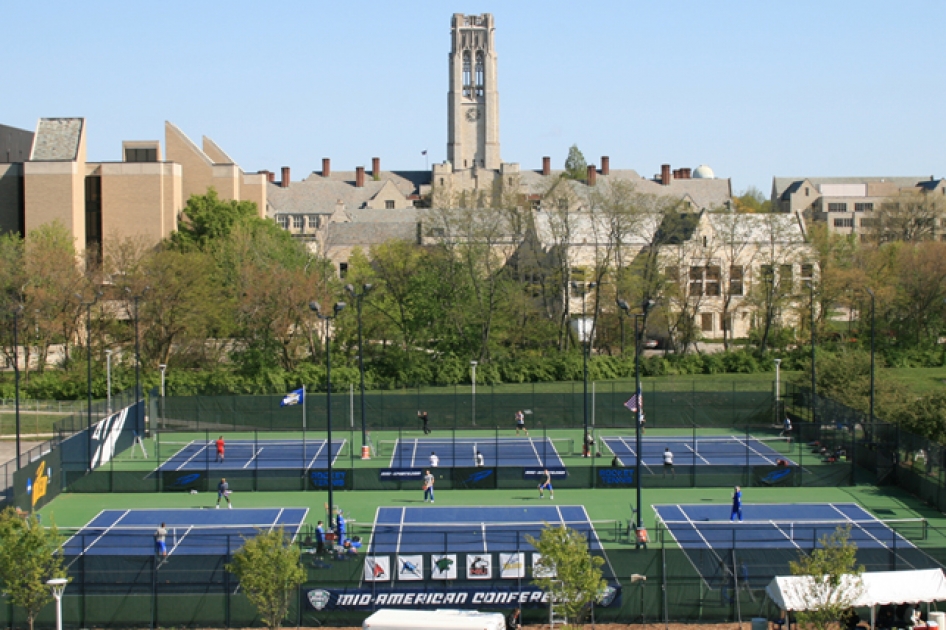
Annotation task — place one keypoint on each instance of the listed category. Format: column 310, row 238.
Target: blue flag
column 293, row 398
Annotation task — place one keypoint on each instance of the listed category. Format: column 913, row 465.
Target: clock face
column 473, row 114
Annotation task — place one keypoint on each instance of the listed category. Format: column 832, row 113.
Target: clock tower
column 473, row 100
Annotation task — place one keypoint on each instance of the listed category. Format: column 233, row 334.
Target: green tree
column 29, row 556
column 575, row 165
column 833, row 579
column 752, row 201
column 207, row 218
column 269, row 571
column 572, row 575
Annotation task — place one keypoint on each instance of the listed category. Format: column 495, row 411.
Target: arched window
column 479, row 74
column 467, row 76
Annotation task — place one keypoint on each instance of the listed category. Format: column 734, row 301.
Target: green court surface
column 609, row 509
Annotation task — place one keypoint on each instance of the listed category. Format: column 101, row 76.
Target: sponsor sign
column 474, row 478
column 443, row 567
column 184, row 480
column 526, row 596
column 775, row 475
column 401, row 474
column 615, row 477
column 319, row 479
column 538, row 474
column 512, row 565
column 479, row 566
column 410, row 568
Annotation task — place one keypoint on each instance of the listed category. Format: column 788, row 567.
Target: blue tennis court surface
column 460, row 452
column 190, row 532
column 254, row 454
column 785, row 526
column 716, row 451
column 406, row 530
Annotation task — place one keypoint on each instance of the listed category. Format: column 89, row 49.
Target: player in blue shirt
column 546, row 485
column 223, row 492
column 319, row 539
column 736, row 504
column 340, row 526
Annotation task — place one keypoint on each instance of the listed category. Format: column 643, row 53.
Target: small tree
column 269, row 571
column 569, row 573
column 29, row 556
column 834, row 582
column 575, row 165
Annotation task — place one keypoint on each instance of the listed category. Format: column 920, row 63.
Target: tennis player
column 736, row 504
column 428, row 486
column 160, row 536
column 220, row 447
column 546, row 485
column 223, row 492
column 521, row 422
column 434, row 460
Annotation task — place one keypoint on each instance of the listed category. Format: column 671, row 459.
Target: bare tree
column 910, row 216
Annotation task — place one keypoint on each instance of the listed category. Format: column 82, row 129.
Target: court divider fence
column 651, row 585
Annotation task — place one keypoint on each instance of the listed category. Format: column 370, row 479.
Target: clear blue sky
column 753, row 89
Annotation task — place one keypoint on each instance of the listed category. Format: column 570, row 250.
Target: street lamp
column 583, row 329
column 88, row 361
column 314, row 306
column 16, row 371
column 814, row 418
column 108, row 381
column 359, row 297
column 58, row 586
column 639, row 407
column 473, row 365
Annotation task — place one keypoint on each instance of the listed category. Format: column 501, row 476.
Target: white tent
column 794, row 593
column 886, row 587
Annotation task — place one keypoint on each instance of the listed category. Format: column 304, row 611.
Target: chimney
column 665, row 174
column 546, row 165
column 605, row 165
column 359, row 177
column 676, row 173
column 376, row 167
column 686, row 173
column 326, row 167
column 592, row 175
column 285, row 177
column 271, row 176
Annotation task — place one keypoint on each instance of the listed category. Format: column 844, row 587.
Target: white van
column 396, row 619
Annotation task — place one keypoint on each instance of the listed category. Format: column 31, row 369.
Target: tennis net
column 507, row 447
column 801, row 532
column 276, row 450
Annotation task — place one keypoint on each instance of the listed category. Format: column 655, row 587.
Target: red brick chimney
column 686, row 173
column 359, row 177
column 665, row 174
column 592, row 175
column 376, row 167
column 605, row 165
column 326, row 167
column 546, row 165
column 285, row 177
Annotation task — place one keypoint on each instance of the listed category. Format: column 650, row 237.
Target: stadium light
column 359, row 297
column 88, row 362
column 108, row 381
column 814, row 417
column 58, row 587
column 583, row 330
column 473, row 365
column 314, row 306
column 139, row 425
column 778, row 392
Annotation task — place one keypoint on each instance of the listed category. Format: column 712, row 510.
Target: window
column 298, row 221
column 437, row 231
column 342, row 270
column 672, row 274
column 283, row 221
column 785, row 277
column 141, row 155
column 735, row 280
column 869, row 223
column 389, row 204
column 806, row 191
column 704, row 241
column 863, row 207
column 479, row 74
column 768, row 273
column 837, row 207
column 712, row 281
column 807, row 275
column 706, row 323
column 696, row 281
column 727, row 323
column 467, row 75
column 844, row 223
column 578, row 274
column 313, row 221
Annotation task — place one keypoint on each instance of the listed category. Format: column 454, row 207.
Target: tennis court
column 460, row 451
column 472, row 529
column 250, row 454
column 735, row 450
column 190, row 532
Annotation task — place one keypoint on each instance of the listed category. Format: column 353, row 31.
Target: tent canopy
column 799, row 592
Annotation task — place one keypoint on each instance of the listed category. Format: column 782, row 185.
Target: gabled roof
column 785, row 185
column 365, row 234
column 320, row 195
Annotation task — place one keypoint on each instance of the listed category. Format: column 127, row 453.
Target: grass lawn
column 922, row 381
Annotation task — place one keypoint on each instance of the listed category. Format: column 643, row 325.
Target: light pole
column 621, row 314
column 871, row 412
column 314, row 306
column 359, row 297
column 473, row 365
column 584, row 333
column 58, row 586
column 139, row 425
column 88, row 361
column 108, row 381
column 163, row 367
column 16, row 371
column 639, row 410
column 778, row 392
column 814, row 418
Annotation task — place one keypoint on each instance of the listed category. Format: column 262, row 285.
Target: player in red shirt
column 220, row 447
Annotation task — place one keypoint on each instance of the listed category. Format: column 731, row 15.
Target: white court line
column 255, row 453
column 634, row 453
column 748, row 448
column 315, row 457
column 400, row 531
column 100, row 536
column 695, row 452
column 782, row 532
column 880, row 542
column 201, row 450
column 178, row 541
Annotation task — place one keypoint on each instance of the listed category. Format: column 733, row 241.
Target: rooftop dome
column 703, row 172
